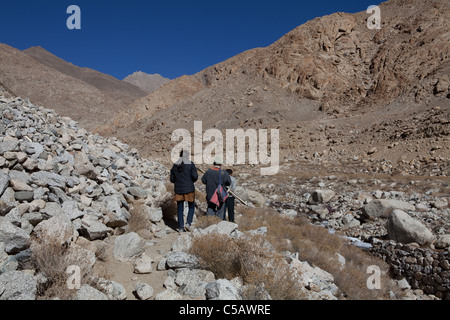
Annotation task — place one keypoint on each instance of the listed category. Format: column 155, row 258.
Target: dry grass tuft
column 50, row 259
column 318, row 247
column 205, row 221
column 139, row 221
column 252, row 260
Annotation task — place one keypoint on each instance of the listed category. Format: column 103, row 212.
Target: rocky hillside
column 332, row 72
column 147, row 82
column 61, row 185
column 82, row 94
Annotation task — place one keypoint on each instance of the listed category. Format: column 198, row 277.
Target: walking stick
column 237, row 197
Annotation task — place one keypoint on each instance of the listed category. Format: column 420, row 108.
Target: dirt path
column 156, row 248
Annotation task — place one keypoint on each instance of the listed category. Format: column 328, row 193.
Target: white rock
column 143, row 264
column 169, row 294
column 383, row 208
column 113, row 290
column 182, row 244
column 17, row 285
column 15, row 238
column 222, row 289
column 128, row 246
column 176, row 260
column 144, row 291
column 321, row 196
column 403, row 228
column 443, row 242
column 87, row 292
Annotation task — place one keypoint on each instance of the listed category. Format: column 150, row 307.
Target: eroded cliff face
column 340, row 62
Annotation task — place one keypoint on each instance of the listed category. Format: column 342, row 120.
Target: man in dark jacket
column 183, row 175
column 211, row 180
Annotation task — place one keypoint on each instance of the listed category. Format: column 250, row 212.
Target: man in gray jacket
column 211, row 180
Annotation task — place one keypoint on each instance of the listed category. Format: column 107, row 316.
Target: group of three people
column 184, row 174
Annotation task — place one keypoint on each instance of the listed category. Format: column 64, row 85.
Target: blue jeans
column 180, row 212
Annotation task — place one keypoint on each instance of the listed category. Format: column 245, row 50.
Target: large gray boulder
column 7, row 263
column 71, row 211
column 241, row 193
column 316, row 279
column 321, row 196
column 176, row 260
column 117, row 216
column 192, row 282
column 7, row 146
column 144, row 291
column 155, row 215
column 382, row 208
column 17, row 285
column 128, row 246
column 15, row 238
column 57, row 228
column 87, row 293
column 404, row 229
column 93, row 229
column 84, row 166
column 223, row 227
column 48, row 179
column 113, row 290
column 222, row 289
column 256, row 198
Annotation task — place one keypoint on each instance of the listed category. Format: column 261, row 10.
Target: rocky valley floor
column 72, row 198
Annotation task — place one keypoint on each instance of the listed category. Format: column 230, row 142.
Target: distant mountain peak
column 145, row 81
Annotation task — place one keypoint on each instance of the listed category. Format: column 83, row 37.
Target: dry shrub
column 252, row 259
column 218, row 254
column 318, row 247
column 260, row 264
column 51, row 259
column 139, row 221
column 204, row 222
column 101, row 253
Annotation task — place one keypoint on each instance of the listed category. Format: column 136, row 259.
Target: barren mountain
column 118, row 90
column 85, row 95
column 332, row 86
column 147, row 82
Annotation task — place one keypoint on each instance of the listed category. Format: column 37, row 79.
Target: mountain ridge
column 83, row 94
column 147, row 82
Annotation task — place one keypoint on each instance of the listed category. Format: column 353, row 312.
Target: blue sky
column 171, row 38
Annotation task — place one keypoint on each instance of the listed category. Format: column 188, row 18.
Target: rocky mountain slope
column 83, row 94
column 326, row 83
column 147, row 82
column 64, row 188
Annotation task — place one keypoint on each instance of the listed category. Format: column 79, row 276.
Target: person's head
column 230, row 172
column 184, row 159
column 184, row 154
column 218, row 162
